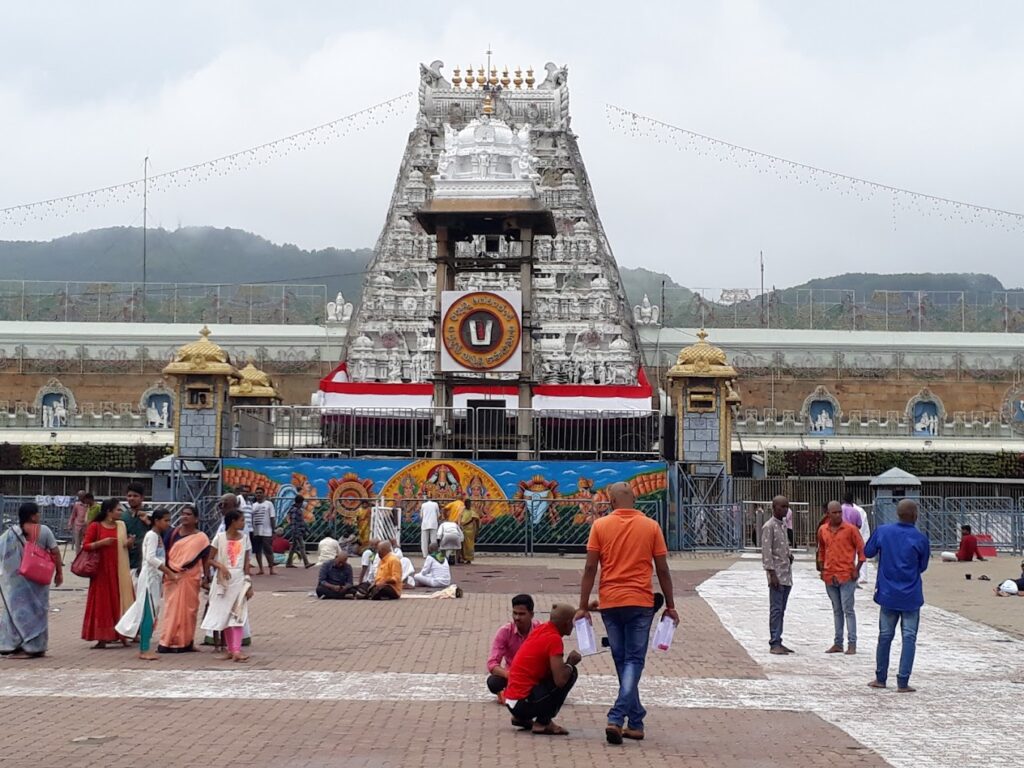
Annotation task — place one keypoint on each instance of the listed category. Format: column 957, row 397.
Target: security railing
column 525, row 525
column 161, row 302
column 467, row 433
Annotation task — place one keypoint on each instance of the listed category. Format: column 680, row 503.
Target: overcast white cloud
column 923, row 95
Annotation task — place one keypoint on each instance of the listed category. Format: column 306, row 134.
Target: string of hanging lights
column 182, row 178
column 901, row 200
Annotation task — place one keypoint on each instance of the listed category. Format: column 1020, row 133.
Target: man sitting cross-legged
column 335, row 578
column 387, row 584
column 435, row 571
column 541, row 677
column 506, row 644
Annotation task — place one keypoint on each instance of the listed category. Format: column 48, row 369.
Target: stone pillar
column 202, row 373
column 524, row 429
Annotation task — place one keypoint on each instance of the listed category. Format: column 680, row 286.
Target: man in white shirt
column 245, row 506
column 408, row 569
column 435, row 571
column 263, row 518
column 429, row 514
column 449, row 536
column 369, row 562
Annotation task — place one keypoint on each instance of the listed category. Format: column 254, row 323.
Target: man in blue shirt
column 903, row 553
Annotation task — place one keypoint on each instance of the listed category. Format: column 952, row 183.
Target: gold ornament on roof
column 252, row 382
column 202, row 356
column 457, row 77
column 518, row 80
column 702, row 360
column 530, row 80
column 504, row 77
column 481, row 78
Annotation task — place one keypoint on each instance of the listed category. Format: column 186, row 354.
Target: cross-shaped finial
column 702, row 334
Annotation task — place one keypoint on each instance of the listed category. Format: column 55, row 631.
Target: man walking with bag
column 624, row 545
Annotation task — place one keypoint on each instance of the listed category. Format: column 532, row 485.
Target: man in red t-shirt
column 624, row 544
column 968, row 548
column 540, row 678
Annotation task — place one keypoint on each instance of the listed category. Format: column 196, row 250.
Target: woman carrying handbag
column 28, row 554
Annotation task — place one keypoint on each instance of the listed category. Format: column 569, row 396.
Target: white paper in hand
column 585, row 639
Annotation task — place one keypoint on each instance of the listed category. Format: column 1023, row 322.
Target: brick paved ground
column 398, row 684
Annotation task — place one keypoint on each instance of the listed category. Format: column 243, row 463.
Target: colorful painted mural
column 549, row 502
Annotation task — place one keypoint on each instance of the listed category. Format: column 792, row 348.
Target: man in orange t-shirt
column 840, row 546
column 387, row 584
column 624, row 544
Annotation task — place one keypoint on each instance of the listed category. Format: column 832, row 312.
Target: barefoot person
column 778, row 564
column 627, row 546
column 506, row 644
column 541, row 676
column 110, row 589
column 187, row 550
column 140, row 618
column 228, row 608
column 25, row 604
column 839, row 545
column 903, row 553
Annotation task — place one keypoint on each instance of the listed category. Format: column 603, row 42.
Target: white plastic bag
column 586, row 641
column 663, row 634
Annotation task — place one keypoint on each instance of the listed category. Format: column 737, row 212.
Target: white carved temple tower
column 487, row 137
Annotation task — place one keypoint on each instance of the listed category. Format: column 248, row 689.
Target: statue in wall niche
column 394, row 368
column 360, row 370
column 409, row 304
column 60, row 413
column 575, row 311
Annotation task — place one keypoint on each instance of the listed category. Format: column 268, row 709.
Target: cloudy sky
column 921, row 94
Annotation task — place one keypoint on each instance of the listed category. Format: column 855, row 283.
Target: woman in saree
column 228, row 608
column 470, row 523
column 24, row 604
column 140, row 618
column 110, row 590
column 187, row 549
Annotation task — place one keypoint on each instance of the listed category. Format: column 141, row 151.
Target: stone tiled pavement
column 302, row 642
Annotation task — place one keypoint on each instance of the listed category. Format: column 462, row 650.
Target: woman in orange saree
column 187, row 549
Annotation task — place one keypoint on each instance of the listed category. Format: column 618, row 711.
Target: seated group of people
column 384, row 572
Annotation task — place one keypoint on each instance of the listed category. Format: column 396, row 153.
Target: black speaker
column 668, row 437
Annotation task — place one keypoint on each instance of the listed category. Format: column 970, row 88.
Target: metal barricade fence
column 525, row 525
column 756, row 514
column 707, row 526
column 468, row 433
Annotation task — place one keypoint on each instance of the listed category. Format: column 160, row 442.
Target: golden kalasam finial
column 488, row 105
column 481, row 78
column 469, row 76
column 456, row 77
column 504, row 77
column 529, row 77
column 493, row 80
column 702, row 334
column 519, row 77
column 205, row 333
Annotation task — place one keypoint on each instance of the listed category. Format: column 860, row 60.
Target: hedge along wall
column 82, row 458
column 1004, row 465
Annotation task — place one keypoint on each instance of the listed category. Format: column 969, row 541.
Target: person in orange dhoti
column 187, row 549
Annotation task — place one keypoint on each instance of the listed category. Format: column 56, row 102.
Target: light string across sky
column 901, row 200
column 181, row 178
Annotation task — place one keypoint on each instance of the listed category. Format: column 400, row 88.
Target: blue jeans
column 887, row 620
column 629, row 630
column 777, row 599
column 841, row 596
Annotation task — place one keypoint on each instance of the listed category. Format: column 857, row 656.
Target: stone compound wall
column 701, row 437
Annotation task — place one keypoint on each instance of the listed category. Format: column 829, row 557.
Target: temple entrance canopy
column 494, row 226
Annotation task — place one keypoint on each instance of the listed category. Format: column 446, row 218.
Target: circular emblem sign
column 481, row 331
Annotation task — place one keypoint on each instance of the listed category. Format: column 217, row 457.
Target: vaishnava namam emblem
column 481, row 331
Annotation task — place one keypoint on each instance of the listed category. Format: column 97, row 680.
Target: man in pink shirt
column 507, row 642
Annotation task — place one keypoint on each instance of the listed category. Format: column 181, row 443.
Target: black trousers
column 496, row 684
column 261, row 547
column 544, row 701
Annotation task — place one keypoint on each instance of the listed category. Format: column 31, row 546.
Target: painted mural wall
column 540, row 502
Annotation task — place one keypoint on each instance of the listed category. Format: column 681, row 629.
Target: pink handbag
column 36, row 563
